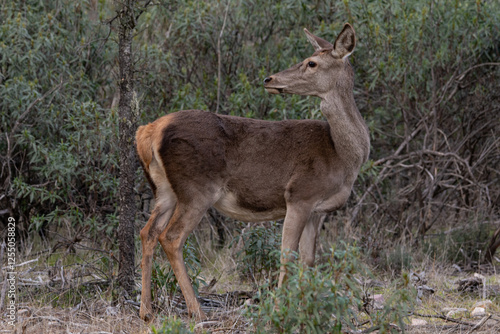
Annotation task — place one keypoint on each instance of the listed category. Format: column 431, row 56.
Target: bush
column 259, row 257
column 326, row 299
column 426, row 86
column 60, row 164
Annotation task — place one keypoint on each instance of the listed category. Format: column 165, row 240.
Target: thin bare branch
column 479, row 324
column 219, row 58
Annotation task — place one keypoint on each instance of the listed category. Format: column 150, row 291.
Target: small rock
column 378, row 302
column 479, row 276
column 478, row 312
column 484, row 304
column 110, row 310
column 418, row 322
column 455, row 311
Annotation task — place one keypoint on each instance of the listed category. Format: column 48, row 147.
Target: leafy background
column 427, row 84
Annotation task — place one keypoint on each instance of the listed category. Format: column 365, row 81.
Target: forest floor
column 66, row 295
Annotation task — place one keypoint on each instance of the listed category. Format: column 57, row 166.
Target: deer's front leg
column 307, row 243
column 297, row 216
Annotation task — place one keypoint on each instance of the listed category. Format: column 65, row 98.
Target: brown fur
column 255, row 170
column 242, row 156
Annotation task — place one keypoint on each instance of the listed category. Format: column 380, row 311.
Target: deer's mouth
column 274, row 90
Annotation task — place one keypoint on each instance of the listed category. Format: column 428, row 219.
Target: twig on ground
column 219, row 59
column 480, row 323
column 440, row 316
column 495, row 318
column 26, row 262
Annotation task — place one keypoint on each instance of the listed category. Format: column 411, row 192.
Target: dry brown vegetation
column 71, row 289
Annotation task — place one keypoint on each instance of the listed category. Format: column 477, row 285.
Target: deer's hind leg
column 158, row 221
column 184, row 219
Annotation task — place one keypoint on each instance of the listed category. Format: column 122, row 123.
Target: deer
column 255, row 170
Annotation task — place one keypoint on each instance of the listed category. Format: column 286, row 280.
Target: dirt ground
column 48, row 320
column 100, row 317
column 78, row 301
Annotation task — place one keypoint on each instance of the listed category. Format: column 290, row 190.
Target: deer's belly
column 228, row 206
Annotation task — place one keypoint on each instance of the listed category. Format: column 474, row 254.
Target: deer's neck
column 347, row 128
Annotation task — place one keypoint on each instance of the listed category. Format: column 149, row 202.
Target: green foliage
column 172, row 326
column 60, row 163
column 259, row 257
column 420, row 67
column 326, row 299
column 185, row 72
column 413, row 58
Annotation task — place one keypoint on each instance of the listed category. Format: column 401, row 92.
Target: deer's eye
column 311, row 64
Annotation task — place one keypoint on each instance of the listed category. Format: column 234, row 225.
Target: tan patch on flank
column 148, row 137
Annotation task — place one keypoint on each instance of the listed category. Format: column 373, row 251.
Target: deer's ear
column 345, row 42
column 318, row 43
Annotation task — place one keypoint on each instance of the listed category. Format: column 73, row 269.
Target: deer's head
column 328, row 69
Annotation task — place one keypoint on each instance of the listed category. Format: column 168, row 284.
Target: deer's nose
column 268, row 80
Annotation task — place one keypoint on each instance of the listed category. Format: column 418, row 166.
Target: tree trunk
column 127, row 111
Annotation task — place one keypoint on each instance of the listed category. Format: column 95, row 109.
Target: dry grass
column 435, row 307
column 101, row 318
column 68, row 292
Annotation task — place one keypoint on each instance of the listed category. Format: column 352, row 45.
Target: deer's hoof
column 147, row 317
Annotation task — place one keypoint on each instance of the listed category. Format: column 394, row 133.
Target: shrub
column 326, row 299
column 60, row 164
column 259, row 257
